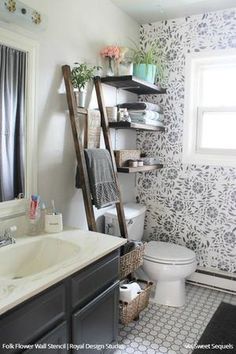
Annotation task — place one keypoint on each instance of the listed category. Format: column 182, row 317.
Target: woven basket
column 131, row 261
column 130, row 311
column 123, row 156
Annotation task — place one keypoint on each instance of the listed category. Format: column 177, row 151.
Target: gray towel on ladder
column 101, row 177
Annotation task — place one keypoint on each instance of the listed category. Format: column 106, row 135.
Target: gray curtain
column 12, row 120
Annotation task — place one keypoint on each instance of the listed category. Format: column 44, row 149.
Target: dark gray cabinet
column 55, row 342
column 93, row 280
column 80, row 310
column 32, row 319
column 95, row 325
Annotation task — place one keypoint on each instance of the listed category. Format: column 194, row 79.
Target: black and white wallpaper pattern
column 187, row 204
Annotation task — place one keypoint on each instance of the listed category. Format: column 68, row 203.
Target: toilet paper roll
column 129, row 291
column 135, row 286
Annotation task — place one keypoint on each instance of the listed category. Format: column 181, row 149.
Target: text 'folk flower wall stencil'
column 188, row 204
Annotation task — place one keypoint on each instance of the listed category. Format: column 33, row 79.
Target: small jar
column 133, row 163
column 126, row 116
column 123, row 115
column 140, row 163
column 120, row 115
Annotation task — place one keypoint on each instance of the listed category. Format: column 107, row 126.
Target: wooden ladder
column 79, row 150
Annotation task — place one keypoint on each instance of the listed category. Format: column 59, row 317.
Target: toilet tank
column 134, row 216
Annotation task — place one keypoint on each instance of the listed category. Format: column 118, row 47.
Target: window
column 210, row 109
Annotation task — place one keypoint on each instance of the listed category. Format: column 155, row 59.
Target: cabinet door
column 31, row 320
column 96, row 325
column 94, row 279
column 55, row 342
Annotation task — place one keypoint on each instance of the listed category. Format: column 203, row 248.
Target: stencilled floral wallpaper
column 188, row 204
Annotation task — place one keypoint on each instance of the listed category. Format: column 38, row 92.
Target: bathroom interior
column 117, row 176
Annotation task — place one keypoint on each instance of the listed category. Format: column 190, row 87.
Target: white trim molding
column 14, row 40
column 215, row 279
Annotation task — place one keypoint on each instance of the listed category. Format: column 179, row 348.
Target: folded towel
column 130, row 246
column 137, row 243
column 141, row 106
column 146, row 114
column 142, row 120
column 101, row 177
column 156, row 123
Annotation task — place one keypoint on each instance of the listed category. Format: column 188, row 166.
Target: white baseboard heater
column 212, row 278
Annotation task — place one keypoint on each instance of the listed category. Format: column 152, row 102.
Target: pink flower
column 110, row 52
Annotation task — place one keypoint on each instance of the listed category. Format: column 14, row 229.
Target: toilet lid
column 168, row 252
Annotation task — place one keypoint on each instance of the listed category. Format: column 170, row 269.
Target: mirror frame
column 17, row 207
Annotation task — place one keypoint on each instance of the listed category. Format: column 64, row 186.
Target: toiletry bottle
column 53, row 220
column 43, row 212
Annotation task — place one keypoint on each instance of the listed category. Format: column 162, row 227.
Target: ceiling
column 147, row 11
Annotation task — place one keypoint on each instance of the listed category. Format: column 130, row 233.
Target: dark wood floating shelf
column 132, row 84
column 128, row 125
column 139, row 169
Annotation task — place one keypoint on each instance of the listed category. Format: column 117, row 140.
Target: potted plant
column 147, row 65
column 81, row 74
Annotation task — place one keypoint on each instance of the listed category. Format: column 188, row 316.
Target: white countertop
column 90, row 247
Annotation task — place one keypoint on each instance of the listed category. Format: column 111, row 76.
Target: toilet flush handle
column 130, row 222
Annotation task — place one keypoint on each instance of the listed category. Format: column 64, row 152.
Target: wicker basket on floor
column 130, row 311
column 131, row 261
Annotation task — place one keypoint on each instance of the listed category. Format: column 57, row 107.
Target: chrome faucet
column 7, row 238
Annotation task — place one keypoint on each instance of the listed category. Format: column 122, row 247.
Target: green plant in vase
column 147, row 63
column 81, row 74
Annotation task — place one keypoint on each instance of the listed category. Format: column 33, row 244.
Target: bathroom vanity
column 79, row 313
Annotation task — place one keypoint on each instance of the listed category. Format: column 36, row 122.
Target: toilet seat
column 154, row 260
column 168, row 253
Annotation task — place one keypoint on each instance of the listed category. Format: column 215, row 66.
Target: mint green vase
column 146, row 72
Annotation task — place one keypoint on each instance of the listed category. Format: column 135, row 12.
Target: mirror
column 13, row 64
column 18, row 146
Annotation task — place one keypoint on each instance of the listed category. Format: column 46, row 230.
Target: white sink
column 26, row 259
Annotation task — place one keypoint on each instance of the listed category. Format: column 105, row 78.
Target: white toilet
column 165, row 263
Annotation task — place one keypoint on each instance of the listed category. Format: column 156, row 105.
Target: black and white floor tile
column 169, row 330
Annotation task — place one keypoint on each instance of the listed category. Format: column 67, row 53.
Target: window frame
column 193, row 111
column 201, row 111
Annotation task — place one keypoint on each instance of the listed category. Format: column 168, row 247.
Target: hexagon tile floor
column 169, row 330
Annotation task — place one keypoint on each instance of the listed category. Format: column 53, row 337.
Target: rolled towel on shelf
column 130, row 291
column 141, row 106
column 150, row 160
column 143, row 120
column 146, row 115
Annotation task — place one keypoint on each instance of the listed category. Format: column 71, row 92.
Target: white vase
column 125, row 69
column 80, row 98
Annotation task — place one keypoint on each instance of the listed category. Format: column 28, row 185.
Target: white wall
column 76, row 30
